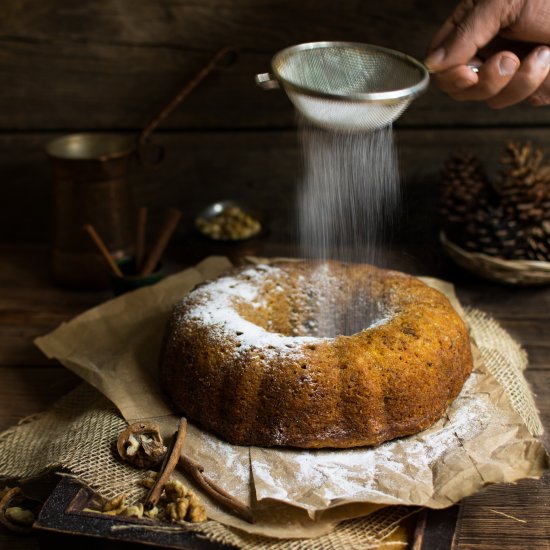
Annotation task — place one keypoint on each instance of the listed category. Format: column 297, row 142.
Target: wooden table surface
column 500, row 517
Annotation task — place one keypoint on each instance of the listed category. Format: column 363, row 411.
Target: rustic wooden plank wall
column 67, row 66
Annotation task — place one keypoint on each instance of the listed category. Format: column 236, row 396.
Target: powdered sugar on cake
column 215, row 307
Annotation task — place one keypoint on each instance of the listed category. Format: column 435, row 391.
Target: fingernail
column 435, row 58
column 543, row 57
column 507, row 66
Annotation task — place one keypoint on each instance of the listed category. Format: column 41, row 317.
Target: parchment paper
column 297, row 493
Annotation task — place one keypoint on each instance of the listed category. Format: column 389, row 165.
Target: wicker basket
column 515, row 272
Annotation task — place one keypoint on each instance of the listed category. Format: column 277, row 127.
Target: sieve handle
column 474, row 68
column 266, row 81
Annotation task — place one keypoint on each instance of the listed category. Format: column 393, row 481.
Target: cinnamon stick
column 195, row 470
column 103, row 249
column 168, row 227
column 169, row 463
column 140, row 237
column 183, row 93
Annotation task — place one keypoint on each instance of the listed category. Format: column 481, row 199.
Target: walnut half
column 141, row 444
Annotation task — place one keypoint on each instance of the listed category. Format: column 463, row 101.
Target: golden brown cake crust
column 239, row 357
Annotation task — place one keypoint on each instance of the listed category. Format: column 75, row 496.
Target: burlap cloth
column 75, row 437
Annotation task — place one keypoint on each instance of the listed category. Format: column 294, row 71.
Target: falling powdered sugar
column 347, row 201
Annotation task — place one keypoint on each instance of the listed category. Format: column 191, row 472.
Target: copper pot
column 91, row 185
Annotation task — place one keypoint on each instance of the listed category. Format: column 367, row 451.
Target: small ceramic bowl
column 229, row 221
column 130, row 281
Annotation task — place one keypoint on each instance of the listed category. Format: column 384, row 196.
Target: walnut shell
column 140, row 444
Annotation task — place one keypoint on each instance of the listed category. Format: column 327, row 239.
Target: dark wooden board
column 112, row 64
column 62, row 521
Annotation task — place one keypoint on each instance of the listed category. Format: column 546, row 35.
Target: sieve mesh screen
column 349, row 86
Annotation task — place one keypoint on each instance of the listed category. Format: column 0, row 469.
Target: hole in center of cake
column 357, row 316
column 342, row 302
column 325, row 306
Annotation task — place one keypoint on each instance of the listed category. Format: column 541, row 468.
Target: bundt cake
column 246, row 356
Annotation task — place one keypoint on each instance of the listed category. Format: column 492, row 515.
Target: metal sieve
column 346, row 86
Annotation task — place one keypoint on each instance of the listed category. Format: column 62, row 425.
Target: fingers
column 528, row 82
column 450, row 24
column 502, row 80
column 472, row 26
column 455, row 80
column 494, row 75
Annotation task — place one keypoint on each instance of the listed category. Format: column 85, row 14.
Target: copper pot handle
column 175, row 101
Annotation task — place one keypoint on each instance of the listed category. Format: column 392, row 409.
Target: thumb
column 464, row 33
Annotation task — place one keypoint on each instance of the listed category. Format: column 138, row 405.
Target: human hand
column 507, row 39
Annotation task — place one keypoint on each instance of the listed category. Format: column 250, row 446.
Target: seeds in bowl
column 231, row 224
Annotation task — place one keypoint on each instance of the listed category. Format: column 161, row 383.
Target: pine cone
column 511, row 219
column 463, row 188
column 538, row 241
column 492, row 232
column 524, row 184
